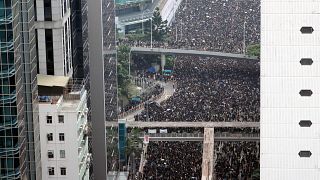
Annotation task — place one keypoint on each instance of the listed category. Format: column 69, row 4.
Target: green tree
column 123, row 69
column 159, row 27
column 253, row 50
column 170, row 61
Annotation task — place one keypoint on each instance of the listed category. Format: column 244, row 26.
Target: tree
column 123, row 69
column 159, row 27
column 253, row 50
column 133, row 148
column 170, row 62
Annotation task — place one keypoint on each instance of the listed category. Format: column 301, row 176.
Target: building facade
column 63, row 131
column 54, row 37
column 290, row 102
column 19, row 128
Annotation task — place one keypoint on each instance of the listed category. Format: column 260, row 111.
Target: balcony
column 9, row 151
column 8, row 123
column 7, row 72
column 5, row 99
column 10, row 173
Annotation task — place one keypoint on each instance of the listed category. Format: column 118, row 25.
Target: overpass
column 165, row 51
column 142, row 124
column 200, row 137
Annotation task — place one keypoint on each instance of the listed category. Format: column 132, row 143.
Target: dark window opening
column 305, row 153
column 306, row 61
column 307, row 30
column 305, row 123
column 305, row 93
column 49, row 52
column 47, row 10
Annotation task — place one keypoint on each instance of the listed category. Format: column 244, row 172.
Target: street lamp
column 151, row 31
column 145, row 11
column 129, row 68
column 244, row 37
column 244, row 33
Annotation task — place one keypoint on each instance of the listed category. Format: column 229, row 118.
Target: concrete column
column 163, row 61
column 208, row 171
column 98, row 115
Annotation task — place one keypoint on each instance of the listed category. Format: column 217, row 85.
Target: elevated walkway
column 146, row 50
column 143, row 124
column 200, row 136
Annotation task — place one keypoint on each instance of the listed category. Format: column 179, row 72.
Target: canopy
column 137, row 98
column 52, row 81
column 152, row 70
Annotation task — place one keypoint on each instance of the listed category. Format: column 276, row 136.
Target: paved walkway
column 168, row 92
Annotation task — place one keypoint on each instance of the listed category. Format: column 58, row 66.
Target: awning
column 52, row 81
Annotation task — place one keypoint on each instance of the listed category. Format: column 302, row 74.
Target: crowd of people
column 210, row 89
column 236, row 160
column 217, row 25
column 173, row 160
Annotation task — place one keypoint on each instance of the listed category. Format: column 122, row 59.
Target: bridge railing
column 216, row 135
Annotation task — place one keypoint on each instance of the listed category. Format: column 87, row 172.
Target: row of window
column 51, row 154
column 63, row 171
column 50, row 136
column 306, row 92
column 60, row 119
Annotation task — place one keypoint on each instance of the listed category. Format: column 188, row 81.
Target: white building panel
column 282, row 78
column 290, row 115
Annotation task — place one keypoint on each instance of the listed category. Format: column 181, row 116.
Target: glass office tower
column 19, row 133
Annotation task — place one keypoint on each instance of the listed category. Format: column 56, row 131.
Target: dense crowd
column 236, row 160
column 173, row 160
column 217, row 25
column 210, row 89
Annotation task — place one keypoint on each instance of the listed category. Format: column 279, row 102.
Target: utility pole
column 244, row 37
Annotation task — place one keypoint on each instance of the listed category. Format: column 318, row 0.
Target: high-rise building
column 53, row 26
column 79, row 29
column 290, row 102
column 19, row 128
column 63, row 128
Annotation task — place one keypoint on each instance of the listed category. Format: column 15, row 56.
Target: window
column 49, row 51
column 50, row 154
column 63, row 171
column 62, row 154
column 50, row 137
column 305, row 93
column 61, row 136
column 307, row 30
column 61, row 119
column 49, row 119
column 51, row 171
column 305, row 123
column 306, row 61
column 305, row 153
column 47, row 10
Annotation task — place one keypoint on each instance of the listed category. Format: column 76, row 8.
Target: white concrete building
column 54, row 37
column 290, row 90
column 63, row 130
